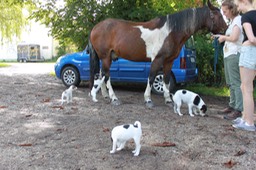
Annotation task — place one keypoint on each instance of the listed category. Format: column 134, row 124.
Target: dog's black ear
column 184, row 91
column 196, row 100
column 204, row 108
column 126, row 126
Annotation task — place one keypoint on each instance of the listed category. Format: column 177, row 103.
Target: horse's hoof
column 149, row 104
column 116, row 102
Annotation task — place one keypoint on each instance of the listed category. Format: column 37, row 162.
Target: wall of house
column 34, row 33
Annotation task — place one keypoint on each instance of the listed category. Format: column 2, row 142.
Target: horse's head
column 216, row 23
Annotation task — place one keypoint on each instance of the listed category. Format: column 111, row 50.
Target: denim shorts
column 248, row 57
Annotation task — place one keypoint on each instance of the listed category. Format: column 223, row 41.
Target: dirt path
column 36, row 133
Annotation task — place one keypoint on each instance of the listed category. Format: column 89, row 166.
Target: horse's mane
column 188, row 20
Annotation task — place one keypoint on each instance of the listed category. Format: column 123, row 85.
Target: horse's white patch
column 154, row 39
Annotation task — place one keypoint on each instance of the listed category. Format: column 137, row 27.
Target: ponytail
column 254, row 4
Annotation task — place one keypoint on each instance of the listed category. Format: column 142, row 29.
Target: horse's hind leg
column 105, row 68
column 114, row 99
column 104, row 90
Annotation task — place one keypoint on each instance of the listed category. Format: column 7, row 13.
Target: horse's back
column 120, row 25
column 119, row 36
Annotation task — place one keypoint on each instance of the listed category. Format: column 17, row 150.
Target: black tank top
column 249, row 17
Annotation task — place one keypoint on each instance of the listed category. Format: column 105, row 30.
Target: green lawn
column 4, row 65
column 211, row 91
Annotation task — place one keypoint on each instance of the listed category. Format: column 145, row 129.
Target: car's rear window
column 190, row 43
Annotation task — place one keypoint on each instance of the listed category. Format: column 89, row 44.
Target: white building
column 34, row 33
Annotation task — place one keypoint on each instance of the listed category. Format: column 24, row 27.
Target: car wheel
column 157, row 86
column 70, row 76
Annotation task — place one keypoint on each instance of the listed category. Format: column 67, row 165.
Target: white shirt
column 233, row 47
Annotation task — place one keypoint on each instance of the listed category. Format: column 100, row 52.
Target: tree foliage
column 12, row 18
column 73, row 22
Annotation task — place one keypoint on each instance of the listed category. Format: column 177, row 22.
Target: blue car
column 74, row 68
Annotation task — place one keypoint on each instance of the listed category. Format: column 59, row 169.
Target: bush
column 205, row 61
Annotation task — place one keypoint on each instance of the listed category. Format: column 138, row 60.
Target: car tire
column 70, row 76
column 157, row 86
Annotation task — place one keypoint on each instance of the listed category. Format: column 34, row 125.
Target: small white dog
column 96, row 86
column 121, row 134
column 68, row 94
column 193, row 100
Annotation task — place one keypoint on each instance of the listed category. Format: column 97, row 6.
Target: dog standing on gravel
column 67, row 94
column 121, row 134
column 194, row 101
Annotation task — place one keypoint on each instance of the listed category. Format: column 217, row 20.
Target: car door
column 130, row 71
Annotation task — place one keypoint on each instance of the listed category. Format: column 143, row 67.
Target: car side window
column 190, row 43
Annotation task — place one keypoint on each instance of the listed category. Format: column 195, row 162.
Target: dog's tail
column 137, row 124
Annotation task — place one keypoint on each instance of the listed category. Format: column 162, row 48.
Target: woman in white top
column 233, row 40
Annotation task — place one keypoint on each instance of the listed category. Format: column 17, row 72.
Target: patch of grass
column 4, row 65
column 212, row 91
column 52, row 73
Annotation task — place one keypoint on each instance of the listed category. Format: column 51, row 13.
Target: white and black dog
column 193, row 100
column 96, row 86
column 68, row 94
column 121, row 134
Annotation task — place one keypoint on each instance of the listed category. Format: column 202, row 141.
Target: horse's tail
column 94, row 62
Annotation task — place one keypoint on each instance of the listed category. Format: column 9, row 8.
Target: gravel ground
column 37, row 133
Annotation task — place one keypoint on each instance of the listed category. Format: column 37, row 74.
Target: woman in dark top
column 247, row 64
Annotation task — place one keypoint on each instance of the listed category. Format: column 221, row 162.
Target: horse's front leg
column 166, row 87
column 154, row 69
column 166, row 84
column 147, row 95
column 166, row 90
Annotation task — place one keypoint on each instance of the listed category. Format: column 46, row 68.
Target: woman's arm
column 248, row 31
column 233, row 36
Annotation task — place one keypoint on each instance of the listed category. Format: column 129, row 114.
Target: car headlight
column 58, row 60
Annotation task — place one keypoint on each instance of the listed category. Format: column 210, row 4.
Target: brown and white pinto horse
column 158, row 40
